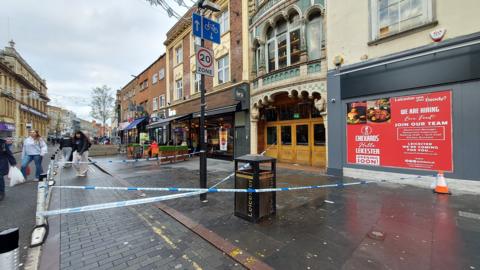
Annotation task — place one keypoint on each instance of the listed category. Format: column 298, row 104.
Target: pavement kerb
column 237, row 254
column 34, row 253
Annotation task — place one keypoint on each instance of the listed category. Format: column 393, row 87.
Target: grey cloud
column 77, row 45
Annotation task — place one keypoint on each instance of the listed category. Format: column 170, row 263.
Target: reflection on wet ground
column 421, row 230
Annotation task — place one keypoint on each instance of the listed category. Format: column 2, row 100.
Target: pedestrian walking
column 6, row 160
column 34, row 148
column 66, row 145
column 81, row 144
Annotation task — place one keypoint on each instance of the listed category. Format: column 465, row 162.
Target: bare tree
column 102, row 104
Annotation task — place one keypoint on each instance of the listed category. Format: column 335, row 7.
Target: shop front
column 412, row 116
column 136, row 131
column 225, row 124
column 292, row 130
column 6, row 129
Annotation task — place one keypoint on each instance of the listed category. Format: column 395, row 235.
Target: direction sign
column 206, row 28
column 204, row 60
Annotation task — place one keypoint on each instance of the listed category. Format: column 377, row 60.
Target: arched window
column 314, row 35
column 282, row 48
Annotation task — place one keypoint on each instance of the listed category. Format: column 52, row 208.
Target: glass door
column 286, row 153
column 302, row 144
column 319, row 142
column 271, row 149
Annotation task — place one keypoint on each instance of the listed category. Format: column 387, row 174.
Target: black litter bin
column 255, row 206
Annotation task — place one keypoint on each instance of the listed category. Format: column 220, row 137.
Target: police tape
column 213, row 189
column 102, row 206
column 129, row 160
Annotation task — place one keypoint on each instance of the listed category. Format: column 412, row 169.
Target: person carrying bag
column 6, row 160
column 81, row 144
column 34, row 148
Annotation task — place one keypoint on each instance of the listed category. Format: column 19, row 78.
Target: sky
column 78, row 45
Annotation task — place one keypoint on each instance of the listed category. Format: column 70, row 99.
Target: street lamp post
column 202, row 6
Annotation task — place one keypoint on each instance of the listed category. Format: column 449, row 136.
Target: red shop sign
column 413, row 132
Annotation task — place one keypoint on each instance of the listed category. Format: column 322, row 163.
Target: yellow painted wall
column 348, row 28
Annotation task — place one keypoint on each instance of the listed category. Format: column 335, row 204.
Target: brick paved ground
column 18, row 207
column 140, row 237
column 422, row 230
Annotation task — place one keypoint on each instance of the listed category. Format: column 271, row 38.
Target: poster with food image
column 356, row 113
column 378, row 111
column 413, row 132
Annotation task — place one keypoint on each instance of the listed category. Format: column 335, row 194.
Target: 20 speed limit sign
column 204, row 59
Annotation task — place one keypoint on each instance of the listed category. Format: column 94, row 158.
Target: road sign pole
column 203, row 148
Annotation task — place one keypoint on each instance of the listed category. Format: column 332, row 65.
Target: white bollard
column 9, row 249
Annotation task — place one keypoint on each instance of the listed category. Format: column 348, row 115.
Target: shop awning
column 135, row 123
column 123, row 125
column 222, row 110
column 166, row 121
column 7, row 127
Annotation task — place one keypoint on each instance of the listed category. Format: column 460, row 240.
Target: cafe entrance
column 294, row 132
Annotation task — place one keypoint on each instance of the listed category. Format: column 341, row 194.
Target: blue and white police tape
column 128, row 160
column 214, row 190
column 230, row 175
column 101, row 206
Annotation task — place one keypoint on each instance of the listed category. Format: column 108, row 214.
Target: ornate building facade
column 23, row 96
column 288, row 80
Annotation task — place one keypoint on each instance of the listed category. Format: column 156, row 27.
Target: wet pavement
column 420, row 230
column 17, row 210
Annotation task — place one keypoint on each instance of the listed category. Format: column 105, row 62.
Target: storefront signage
column 204, row 60
column 32, row 110
column 7, row 126
column 413, row 132
column 223, row 134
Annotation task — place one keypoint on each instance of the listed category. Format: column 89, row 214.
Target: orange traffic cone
column 441, row 187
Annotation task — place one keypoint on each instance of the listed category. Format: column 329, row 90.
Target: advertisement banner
column 223, row 139
column 413, row 132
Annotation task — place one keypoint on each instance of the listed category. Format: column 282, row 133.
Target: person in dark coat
column 6, row 160
column 81, row 144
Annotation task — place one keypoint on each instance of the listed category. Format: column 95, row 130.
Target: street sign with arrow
column 206, row 28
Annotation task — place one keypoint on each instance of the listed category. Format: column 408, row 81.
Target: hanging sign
column 413, row 132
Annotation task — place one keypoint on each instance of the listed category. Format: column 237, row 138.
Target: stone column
column 254, row 115
column 303, row 40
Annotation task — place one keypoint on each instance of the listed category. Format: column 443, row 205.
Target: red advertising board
column 413, row 132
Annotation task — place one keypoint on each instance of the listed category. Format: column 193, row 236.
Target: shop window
column 286, row 113
column 286, row 132
column 319, row 134
column 302, row 134
column 271, row 114
column 314, row 36
column 394, row 16
column 271, row 135
column 223, row 69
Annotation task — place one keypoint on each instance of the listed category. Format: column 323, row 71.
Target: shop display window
column 302, row 134
column 271, row 135
column 286, row 135
column 319, row 134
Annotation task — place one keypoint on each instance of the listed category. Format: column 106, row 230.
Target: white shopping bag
column 15, row 176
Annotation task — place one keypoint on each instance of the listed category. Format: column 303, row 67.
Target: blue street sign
column 205, row 28
column 197, row 25
column 211, row 30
